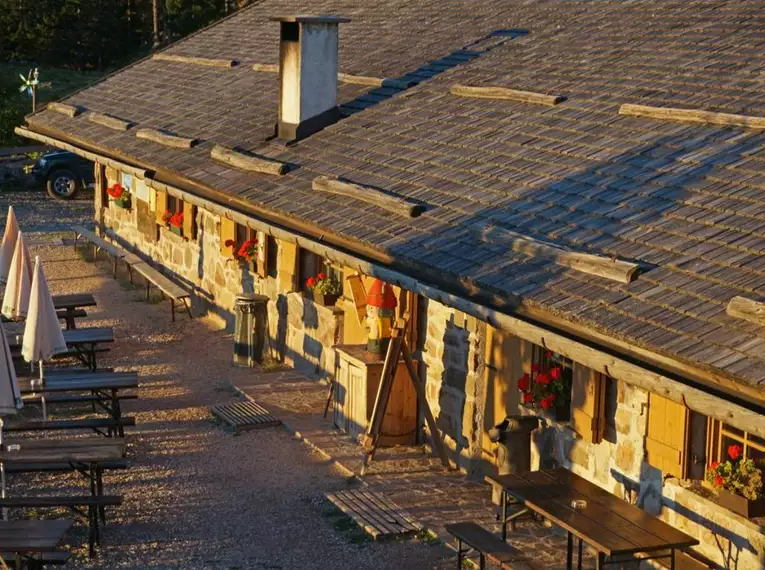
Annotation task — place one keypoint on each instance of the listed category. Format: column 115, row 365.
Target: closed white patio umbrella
column 9, row 245
column 10, row 397
column 16, row 298
column 42, row 333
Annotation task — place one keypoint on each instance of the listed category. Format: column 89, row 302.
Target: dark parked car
column 63, row 173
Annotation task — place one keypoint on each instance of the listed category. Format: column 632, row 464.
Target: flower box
column 741, row 505
column 175, row 229
column 124, row 203
column 324, row 299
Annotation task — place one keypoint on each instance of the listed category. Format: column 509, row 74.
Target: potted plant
column 119, row 196
column 323, row 290
column 247, row 252
column 548, row 388
column 738, row 482
column 175, row 223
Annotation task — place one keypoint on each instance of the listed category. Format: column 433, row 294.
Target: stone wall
column 301, row 331
column 452, row 357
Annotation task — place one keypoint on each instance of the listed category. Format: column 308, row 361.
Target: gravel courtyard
column 196, row 497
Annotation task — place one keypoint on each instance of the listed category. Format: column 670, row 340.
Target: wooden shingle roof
column 686, row 201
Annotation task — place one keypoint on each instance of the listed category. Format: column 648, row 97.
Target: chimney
column 307, row 75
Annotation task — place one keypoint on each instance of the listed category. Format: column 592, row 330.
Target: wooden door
column 504, row 359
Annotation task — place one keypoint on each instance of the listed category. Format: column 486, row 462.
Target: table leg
column 601, row 561
column 672, row 560
column 570, row 552
column 459, row 554
column 579, row 560
column 100, row 490
column 504, row 515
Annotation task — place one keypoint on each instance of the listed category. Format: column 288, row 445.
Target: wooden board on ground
column 380, row 517
column 246, row 415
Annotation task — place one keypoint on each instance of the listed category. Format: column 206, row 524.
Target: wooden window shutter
column 667, row 437
column 588, row 403
column 227, row 232
column 262, row 264
column 359, row 296
column 160, row 206
column 288, row 265
column 189, row 213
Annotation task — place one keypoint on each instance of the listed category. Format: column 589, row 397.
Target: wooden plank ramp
column 241, row 416
column 380, row 517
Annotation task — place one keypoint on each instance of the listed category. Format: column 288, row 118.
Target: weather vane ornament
column 30, row 84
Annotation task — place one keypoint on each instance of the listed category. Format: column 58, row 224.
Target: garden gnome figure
column 381, row 308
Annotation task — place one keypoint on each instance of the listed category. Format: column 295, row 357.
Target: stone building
column 567, row 222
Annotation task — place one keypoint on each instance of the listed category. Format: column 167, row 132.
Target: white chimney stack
column 307, row 74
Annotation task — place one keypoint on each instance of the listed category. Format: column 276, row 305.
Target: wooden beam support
column 369, row 195
column 747, row 309
column 195, row 60
column 614, row 269
column 247, row 162
column 70, row 111
column 165, row 139
column 693, row 116
column 505, row 93
column 109, row 121
column 265, row 67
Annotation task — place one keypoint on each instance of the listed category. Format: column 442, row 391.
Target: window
column 272, row 254
column 611, row 405
column 236, row 234
column 720, row 436
column 310, row 265
column 167, row 205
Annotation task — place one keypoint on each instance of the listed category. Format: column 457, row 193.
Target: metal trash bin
column 513, row 439
column 250, row 329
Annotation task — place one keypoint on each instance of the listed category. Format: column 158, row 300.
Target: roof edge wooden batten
column 265, row 67
column 247, row 162
column 609, row 268
column 109, row 121
column 369, row 195
column 165, row 139
column 375, row 81
column 747, row 309
column 505, row 93
column 70, row 111
column 692, row 116
column 209, row 62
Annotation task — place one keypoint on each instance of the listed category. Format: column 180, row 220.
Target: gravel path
column 196, row 497
column 37, row 212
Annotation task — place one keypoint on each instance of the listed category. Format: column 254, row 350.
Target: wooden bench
column 684, row 561
column 39, row 560
column 61, row 467
column 472, row 537
column 106, row 403
column 69, row 316
column 99, row 244
column 113, row 427
column 93, row 503
column 167, row 286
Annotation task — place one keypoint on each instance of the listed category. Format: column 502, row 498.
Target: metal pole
column 2, row 473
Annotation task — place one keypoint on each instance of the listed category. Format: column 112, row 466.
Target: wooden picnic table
column 82, row 342
column 71, row 303
column 616, row 529
column 30, row 537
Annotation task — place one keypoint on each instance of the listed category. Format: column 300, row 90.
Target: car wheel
column 63, row 184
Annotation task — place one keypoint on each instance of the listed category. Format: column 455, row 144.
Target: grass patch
column 428, row 537
column 344, row 524
column 271, row 364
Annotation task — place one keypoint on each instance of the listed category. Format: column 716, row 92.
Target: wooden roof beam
column 195, row 60
column 369, row 195
column 165, row 139
column 692, row 116
column 70, row 111
column 505, row 93
column 109, row 121
column 247, row 162
column 747, row 309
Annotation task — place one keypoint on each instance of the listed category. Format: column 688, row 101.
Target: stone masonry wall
column 452, row 356
column 312, row 329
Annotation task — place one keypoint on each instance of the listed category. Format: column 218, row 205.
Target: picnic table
column 83, row 343
column 26, row 538
column 616, row 529
column 71, row 304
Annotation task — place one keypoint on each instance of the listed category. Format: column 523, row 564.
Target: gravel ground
column 196, row 497
column 37, row 212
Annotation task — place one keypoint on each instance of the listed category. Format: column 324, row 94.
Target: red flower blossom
column 177, row 219
column 543, row 379
column 714, row 465
column 311, row 282
column 528, row 398
column 734, row 452
column 115, row 191
column 719, row 481
column 548, row 354
column 535, row 368
column 556, row 373
column 548, row 401
column 321, row 277
column 523, row 383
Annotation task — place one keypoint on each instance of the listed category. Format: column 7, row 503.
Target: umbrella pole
column 2, row 473
column 42, row 396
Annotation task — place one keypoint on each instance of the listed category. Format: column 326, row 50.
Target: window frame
column 716, row 432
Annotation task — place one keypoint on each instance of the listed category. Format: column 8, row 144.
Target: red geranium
column 523, row 383
column 543, row 379
column 310, row 282
column 547, row 402
column 535, row 368
column 248, row 251
column 115, row 190
column 719, row 481
column 734, row 452
column 528, row 398
column 166, row 217
column 230, row 243
column 177, row 220
column 556, row 373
